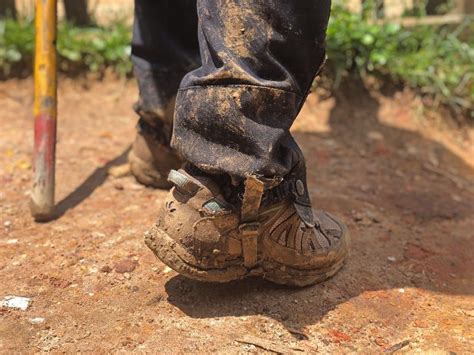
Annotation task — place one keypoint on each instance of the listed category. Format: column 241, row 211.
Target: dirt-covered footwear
column 203, row 236
column 151, row 157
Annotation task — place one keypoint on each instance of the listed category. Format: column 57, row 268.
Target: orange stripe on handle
column 45, row 110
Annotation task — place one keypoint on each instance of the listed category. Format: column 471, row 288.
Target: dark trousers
column 240, row 88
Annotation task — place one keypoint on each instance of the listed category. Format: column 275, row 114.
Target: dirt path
column 407, row 196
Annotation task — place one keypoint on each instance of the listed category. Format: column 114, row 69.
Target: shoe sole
column 176, row 257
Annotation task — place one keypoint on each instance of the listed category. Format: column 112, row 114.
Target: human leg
column 164, row 49
column 242, row 206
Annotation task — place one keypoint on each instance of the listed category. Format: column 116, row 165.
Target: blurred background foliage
column 436, row 60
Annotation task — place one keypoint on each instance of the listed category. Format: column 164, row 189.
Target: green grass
column 433, row 61
column 436, row 62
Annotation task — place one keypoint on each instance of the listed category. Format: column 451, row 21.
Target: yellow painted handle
column 45, row 109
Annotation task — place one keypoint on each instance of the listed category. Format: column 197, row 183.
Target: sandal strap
column 250, row 226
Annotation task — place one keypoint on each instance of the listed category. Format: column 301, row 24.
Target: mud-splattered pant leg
column 259, row 58
column 164, row 48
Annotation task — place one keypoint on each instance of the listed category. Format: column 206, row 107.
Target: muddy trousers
column 240, row 70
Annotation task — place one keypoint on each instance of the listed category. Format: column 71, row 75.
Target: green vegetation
column 435, row 61
column 80, row 48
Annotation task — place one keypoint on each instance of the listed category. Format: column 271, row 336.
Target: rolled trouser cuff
column 237, row 129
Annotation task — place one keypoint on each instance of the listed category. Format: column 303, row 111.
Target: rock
column 125, row 265
column 37, row 320
column 373, row 216
column 358, row 217
column 15, row 302
column 106, row 269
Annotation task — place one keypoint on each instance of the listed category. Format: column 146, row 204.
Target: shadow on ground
column 89, row 185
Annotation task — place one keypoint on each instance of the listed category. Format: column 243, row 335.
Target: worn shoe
column 151, row 157
column 202, row 236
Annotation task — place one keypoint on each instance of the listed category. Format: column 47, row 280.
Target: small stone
column 392, row 259
column 373, row 217
column 37, row 320
column 15, row 302
column 125, row 265
column 106, row 269
column 7, row 224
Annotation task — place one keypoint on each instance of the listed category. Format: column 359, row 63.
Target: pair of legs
column 222, row 82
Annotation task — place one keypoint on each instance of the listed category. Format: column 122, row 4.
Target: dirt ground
column 404, row 183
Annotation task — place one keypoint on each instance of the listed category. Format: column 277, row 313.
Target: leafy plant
column 434, row 61
column 79, row 48
column 95, row 48
column 16, row 44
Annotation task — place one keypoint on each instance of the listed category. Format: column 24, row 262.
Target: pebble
column 392, row 259
column 15, row 302
column 106, row 269
column 37, row 320
column 125, row 265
